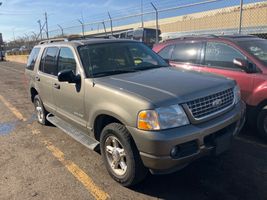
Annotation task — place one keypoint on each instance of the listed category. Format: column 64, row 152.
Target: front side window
column 166, row 52
column 49, row 61
column 258, row 48
column 188, row 52
column 66, row 60
column 120, row 57
column 32, row 58
column 221, row 55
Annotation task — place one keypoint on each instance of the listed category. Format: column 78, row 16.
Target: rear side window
column 188, row 52
column 221, row 55
column 49, row 61
column 66, row 60
column 166, row 52
column 32, row 58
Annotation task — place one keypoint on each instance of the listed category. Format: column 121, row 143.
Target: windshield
column 257, row 48
column 121, row 57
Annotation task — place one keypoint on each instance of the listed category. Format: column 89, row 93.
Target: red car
column 240, row 57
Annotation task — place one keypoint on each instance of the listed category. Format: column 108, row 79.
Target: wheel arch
column 102, row 120
column 33, row 93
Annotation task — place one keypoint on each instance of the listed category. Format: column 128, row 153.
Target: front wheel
column 121, row 156
column 262, row 123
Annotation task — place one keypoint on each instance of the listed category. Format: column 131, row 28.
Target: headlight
column 237, row 94
column 162, row 118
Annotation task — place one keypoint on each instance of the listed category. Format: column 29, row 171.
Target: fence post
column 82, row 26
column 40, row 27
column 142, row 16
column 62, row 33
column 104, row 26
column 111, row 25
column 240, row 17
column 157, row 22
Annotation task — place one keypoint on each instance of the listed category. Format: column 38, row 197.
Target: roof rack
column 73, row 38
column 54, row 40
column 190, row 36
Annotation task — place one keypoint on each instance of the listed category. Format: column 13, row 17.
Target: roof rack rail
column 190, row 36
column 54, row 40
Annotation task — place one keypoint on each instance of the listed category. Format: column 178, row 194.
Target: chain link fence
column 190, row 17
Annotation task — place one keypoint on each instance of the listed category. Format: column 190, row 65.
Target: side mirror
column 67, row 75
column 244, row 64
column 167, row 61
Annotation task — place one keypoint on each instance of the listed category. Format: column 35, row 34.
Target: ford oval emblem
column 217, row 103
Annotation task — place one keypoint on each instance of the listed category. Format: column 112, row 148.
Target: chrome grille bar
column 206, row 106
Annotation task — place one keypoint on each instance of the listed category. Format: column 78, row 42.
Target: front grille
column 206, row 106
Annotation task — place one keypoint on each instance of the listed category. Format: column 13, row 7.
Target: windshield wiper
column 149, row 67
column 109, row 73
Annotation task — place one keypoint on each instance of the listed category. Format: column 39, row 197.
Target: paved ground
column 38, row 162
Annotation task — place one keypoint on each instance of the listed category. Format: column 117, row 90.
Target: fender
column 113, row 110
column 259, row 95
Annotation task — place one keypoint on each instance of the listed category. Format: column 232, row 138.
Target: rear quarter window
column 32, row 58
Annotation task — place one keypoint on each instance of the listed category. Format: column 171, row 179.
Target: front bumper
column 192, row 141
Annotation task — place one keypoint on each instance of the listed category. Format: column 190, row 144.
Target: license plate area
column 220, row 141
column 223, row 143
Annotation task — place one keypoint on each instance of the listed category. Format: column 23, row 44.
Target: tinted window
column 66, row 60
column 49, row 61
column 221, row 55
column 187, row 52
column 32, row 58
column 166, row 52
column 256, row 47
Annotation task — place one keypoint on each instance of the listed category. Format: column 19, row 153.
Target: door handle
column 37, row 78
column 56, row 85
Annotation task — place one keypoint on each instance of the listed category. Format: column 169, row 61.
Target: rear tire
column 121, row 156
column 40, row 111
column 262, row 123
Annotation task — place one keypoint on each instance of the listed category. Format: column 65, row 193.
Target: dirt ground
column 42, row 162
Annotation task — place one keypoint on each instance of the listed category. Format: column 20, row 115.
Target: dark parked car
column 240, row 57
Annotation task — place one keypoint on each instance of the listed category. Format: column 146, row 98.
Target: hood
column 168, row 85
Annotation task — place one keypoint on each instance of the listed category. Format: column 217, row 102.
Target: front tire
column 262, row 123
column 121, row 156
column 40, row 111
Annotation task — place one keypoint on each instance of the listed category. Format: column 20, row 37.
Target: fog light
column 174, row 151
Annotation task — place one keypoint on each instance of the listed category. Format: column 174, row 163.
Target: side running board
column 73, row 132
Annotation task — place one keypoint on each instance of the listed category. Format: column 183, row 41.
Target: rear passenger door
column 187, row 55
column 69, row 97
column 46, row 75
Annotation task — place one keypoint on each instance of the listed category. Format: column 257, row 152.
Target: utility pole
column 14, row 38
column 111, row 26
column 142, row 11
column 157, row 22
column 240, row 17
column 46, row 24
column 40, row 27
